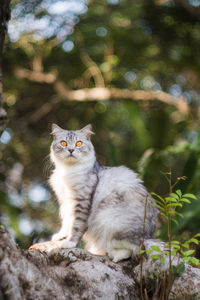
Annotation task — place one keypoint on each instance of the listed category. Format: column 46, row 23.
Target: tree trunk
column 54, row 273
column 4, row 18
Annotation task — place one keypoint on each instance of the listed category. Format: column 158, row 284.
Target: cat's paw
column 49, row 246
column 119, row 254
column 58, row 236
column 67, row 244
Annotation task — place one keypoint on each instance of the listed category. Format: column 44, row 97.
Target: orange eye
column 79, row 144
column 63, row 143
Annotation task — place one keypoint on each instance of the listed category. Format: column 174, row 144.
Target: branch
column 35, row 76
column 108, row 93
column 103, row 93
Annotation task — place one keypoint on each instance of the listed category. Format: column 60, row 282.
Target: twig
column 163, row 287
column 142, row 247
column 146, row 295
column 93, row 69
column 169, row 285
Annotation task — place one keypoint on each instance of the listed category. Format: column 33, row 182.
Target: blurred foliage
column 130, row 44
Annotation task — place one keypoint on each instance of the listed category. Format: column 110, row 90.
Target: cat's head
column 71, row 146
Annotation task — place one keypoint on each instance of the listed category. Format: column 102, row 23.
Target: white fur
column 63, row 178
column 117, row 205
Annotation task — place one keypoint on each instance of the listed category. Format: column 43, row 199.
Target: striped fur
column 102, row 205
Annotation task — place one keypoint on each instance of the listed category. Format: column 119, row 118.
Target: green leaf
column 180, row 268
column 173, row 195
column 142, row 251
column 171, row 212
column 164, row 215
column 159, row 207
column 190, row 196
column 185, row 200
column 195, row 261
column 155, row 256
column 179, row 214
column 191, row 260
column 176, row 247
column 151, row 276
column 187, row 253
column 162, row 259
column 173, row 253
column 174, row 204
column 156, row 248
column 170, row 199
column 174, row 270
column 197, row 235
column 193, row 240
column 175, row 221
column 159, row 203
column 186, row 259
column 158, row 196
column 186, row 245
column 179, row 193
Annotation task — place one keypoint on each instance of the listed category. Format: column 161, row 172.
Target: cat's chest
column 76, row 186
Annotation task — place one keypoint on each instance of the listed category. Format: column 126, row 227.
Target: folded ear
column 55, row 129
column 87, row 131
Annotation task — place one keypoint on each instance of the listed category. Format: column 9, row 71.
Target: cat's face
column 71, row 146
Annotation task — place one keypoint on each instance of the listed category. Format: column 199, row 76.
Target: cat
column 102, row 205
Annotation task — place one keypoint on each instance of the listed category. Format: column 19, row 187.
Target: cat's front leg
column 78, row 224
column 63, row 233
column 59, row 236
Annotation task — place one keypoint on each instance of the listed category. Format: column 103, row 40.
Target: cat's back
column 118, row 178
column 119, row 183
column 118, row 208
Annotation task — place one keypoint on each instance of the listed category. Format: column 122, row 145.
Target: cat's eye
column 63, row 143
column 79, row 144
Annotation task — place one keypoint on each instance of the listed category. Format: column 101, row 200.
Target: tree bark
column 4, row 18
column 48, row 272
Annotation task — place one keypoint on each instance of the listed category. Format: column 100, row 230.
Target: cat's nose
column 71, row 150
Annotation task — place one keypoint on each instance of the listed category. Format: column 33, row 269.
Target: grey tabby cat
column 102, row 205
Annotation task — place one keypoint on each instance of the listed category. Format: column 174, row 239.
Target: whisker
column 48, row 166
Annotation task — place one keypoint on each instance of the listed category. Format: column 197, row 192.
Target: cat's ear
column 87, row 131
column 55, row 129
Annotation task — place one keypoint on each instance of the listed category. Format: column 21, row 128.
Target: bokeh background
column 131, row 68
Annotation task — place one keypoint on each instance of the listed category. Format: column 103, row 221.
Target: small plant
column 173, row 249
column 167, row 207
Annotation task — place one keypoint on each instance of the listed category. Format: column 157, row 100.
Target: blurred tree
column 131, row 68
column 4, row 18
